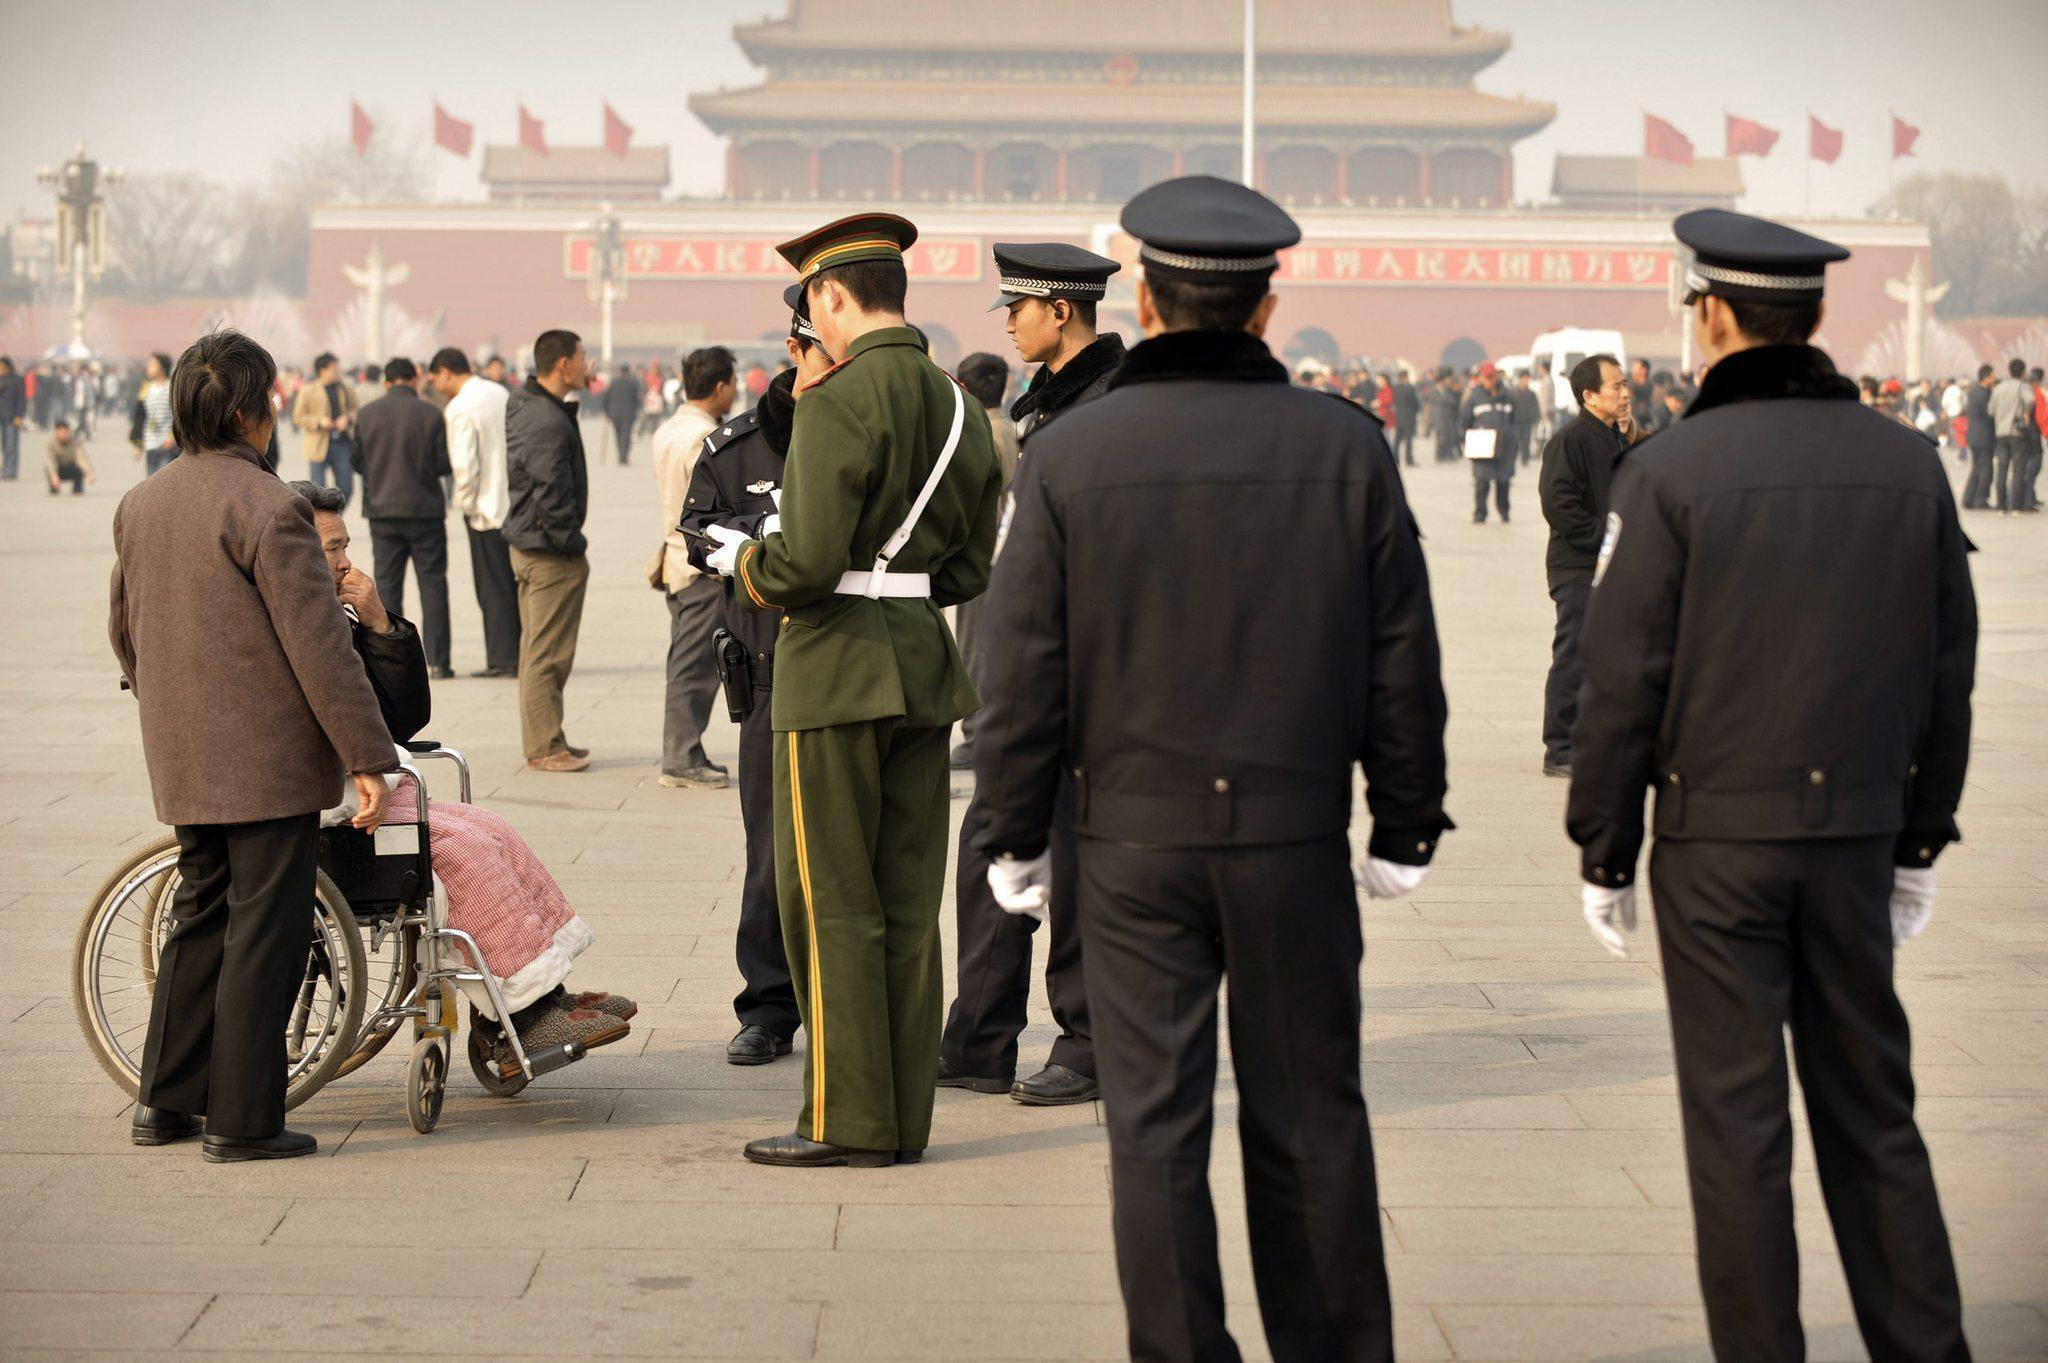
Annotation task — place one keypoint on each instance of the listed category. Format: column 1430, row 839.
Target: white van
column 1561, row 350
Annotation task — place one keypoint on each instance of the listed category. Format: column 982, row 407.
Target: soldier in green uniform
column 889, row 508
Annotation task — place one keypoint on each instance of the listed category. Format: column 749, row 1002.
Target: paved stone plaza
column 1520, row 1080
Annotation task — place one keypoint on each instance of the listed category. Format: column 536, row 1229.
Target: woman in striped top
column 150, row 428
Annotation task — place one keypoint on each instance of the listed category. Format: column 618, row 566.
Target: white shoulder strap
column 902, row 536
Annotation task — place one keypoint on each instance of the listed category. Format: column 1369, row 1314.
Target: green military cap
column 864, row 236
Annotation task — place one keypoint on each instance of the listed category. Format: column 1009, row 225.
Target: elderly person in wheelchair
column 497, row 890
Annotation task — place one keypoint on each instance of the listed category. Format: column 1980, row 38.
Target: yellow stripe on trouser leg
column 817, row 990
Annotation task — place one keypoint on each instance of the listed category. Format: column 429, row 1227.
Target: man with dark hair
column 1789, row 667
column 13, row 413
column 1578, row 468
column 1049, row 291
column 1528, row 416
column 494, row 370
column 253, row 707
column 1981, row 438
column 1487, row 422
column 1211, row 798
column 1407, row 413
column 403, row 445
column 1445, row 398
column 889, row 516
column 710, row 386
column 473, row 415
column 323, row 413
column 738, row 478
column 2012, row 413
column 548, row 491
column 1639, row 388
column 622, row 408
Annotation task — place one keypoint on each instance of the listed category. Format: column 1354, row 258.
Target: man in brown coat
column 253, row 708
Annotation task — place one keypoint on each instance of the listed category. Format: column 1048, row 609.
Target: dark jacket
column 1406, row 405
column 545, row 473
column 1528, row 413
column 13, row 399
column 396, row 665
column 622, row 398
column 223, row 615
column 401, row 447
column 1782, row 634
column 1979, row 431
column 1578, row 469
column 733, row 486
column 1495, row 411
column 1212, row 603
column 1086, row 376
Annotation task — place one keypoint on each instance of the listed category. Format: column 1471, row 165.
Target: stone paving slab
column 1534, row 1198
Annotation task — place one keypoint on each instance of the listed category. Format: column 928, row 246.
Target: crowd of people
column 1169, row 816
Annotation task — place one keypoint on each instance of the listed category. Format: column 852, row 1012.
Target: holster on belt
column 735, row 673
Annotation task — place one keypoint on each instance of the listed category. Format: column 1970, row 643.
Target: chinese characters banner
column 1497, row 266
column 953, row 259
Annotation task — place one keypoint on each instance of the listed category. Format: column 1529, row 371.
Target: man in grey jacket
column 224, row 619
column 2012, row 416
column 550, row 491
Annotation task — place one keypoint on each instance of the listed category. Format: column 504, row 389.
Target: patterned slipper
column 557, row 1026
column 597, row 1001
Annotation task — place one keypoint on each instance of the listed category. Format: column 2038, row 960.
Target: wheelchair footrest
column 550, row 1058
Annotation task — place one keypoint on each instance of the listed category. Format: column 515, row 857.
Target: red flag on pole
column 451, row 133
column 1747, row 137
column 1822, row 142
column 1664, row 142
column 359, row 127
column 1904, row 135
column 532, row 133
column 617, row 134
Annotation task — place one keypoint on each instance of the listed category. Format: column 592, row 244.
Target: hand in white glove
column 1611, row 914
column 1912, row 902
column 770, row 524
column 1382, row 879
column 1022, row 886
column 722, row 559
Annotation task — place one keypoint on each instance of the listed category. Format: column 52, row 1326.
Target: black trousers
column 994, row 970
column 1480, row 482
column 622, row 428
column 1561, row 687
column 1977, row 489
column 766, row 997
column 424, row 543
column 2026, row 470
column 1163, row 927
column 244, row 923
column 497, row 596
column 1755, row 937
column 1404, row 443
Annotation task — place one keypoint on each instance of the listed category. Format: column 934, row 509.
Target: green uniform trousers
column 860, row 865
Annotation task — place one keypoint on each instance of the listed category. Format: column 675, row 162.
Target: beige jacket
column 309, row 410
column 677, row 443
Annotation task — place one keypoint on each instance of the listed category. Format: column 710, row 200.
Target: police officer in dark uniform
column 738, row 477
column 1050, row 290
column 1214, row 605
column 1781, row 641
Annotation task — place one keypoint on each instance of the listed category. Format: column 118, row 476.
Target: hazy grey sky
column 221, row 86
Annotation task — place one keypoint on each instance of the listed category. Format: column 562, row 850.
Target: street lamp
column 81, row 231
column 607, row 277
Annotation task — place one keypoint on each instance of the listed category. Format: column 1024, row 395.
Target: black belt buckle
column 735, row 673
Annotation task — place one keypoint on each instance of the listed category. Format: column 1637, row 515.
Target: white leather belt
column 881, row 582
column 884, row 584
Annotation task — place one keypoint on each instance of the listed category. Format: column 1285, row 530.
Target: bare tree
column 1990, row 243
column 168, row 233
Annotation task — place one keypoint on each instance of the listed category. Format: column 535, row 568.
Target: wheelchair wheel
column 426, row 1081
column 483, row 1064
column 114, row 968
column 388, row 979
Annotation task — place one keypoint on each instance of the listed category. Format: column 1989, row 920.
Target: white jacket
column 476, row 452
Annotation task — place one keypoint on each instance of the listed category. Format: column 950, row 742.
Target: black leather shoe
column 794, row 1151
column 495, row 672
column 154, row 1126
column 1055, row 1086
column 234, row 1149
column 755, row 1045
column 442, row 673
column 952, row 1078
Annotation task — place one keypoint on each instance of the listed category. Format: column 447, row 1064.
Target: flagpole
column 1250, row 167
column 1807, row 174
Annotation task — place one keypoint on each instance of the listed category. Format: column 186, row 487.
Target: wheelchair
column 353, row 995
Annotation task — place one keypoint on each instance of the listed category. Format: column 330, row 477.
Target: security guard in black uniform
column 738, row 477
column 1781, row 642
column 1050, row 289
column 1214, row 605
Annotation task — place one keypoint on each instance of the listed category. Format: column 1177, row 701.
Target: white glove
column 1023, row 886
column 770, row 524
column 1912, row 902
column 1387, row 879
column 722, row 559
column 1611, row 914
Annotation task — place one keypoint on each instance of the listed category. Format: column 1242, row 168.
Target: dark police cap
column 1753, row 259
column 1203, row 229
column 799, row 312
column 1049, row 269
column 863, row 236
